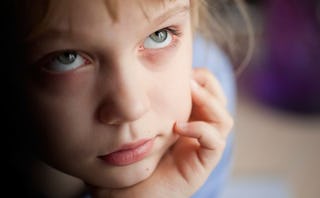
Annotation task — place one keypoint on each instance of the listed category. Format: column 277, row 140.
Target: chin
column 127, row 182
column 130, row 175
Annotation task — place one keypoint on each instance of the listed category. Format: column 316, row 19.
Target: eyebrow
column 169, row 13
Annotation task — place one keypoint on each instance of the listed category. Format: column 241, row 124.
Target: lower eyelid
column 174, row 42
column 147, row 53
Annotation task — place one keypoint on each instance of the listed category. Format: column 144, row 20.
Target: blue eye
column 158, row 39
column 66, row 61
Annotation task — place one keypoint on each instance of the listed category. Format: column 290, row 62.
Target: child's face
column 99, row 85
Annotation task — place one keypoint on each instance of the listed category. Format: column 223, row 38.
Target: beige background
column 274, row 143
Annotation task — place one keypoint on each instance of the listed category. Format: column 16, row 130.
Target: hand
column 187, row 165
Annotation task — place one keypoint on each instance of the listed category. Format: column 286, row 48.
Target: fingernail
column 194, row 84
column 181, row 125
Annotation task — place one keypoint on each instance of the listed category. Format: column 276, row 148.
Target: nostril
column 106, row 114
column 121, row 111
column 127, row 101
column 131, row 105
column 108, row 120
column 113, row 122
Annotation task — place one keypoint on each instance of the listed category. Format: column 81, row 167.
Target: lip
column 129, row 153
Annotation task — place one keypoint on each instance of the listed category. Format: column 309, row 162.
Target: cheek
column 172, row 96
column 181, row 110
column 179, row 99
column 68, row 85
column 62, row 123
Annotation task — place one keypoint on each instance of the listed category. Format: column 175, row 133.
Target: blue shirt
column 210, row 56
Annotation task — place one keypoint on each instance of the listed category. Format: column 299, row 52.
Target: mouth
column 129, row 153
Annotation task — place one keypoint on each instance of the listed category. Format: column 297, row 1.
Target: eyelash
column 174, row 31
column 45, row 62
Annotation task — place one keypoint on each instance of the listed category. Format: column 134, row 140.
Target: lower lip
column 129, row 156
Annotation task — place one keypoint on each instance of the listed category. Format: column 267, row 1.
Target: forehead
column 37, row 15
column 146, row 6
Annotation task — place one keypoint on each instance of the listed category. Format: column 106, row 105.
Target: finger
column 205, row 79
column 203, row 132
column 211, row 141
column 207, row 108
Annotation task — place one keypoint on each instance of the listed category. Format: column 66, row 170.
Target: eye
column 158, row 39
column 66, row 61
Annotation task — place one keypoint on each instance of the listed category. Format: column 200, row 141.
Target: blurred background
column 277, row 149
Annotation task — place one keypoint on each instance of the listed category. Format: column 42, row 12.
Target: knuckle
column 228, row 121
column 201, row 69
column 221, row 144
column 224, row 100
column 203, row 73
column 227, row 126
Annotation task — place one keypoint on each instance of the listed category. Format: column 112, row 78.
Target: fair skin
column 98, row 85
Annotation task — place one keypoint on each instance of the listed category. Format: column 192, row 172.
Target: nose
column 127, row 99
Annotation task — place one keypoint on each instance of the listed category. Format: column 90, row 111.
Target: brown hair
column 220, row 21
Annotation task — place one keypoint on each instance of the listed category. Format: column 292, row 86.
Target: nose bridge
column 130, row 94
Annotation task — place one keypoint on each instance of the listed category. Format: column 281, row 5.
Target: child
column 110, row 97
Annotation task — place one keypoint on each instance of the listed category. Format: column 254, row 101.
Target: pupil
column 67, row 57
column 159, row 36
